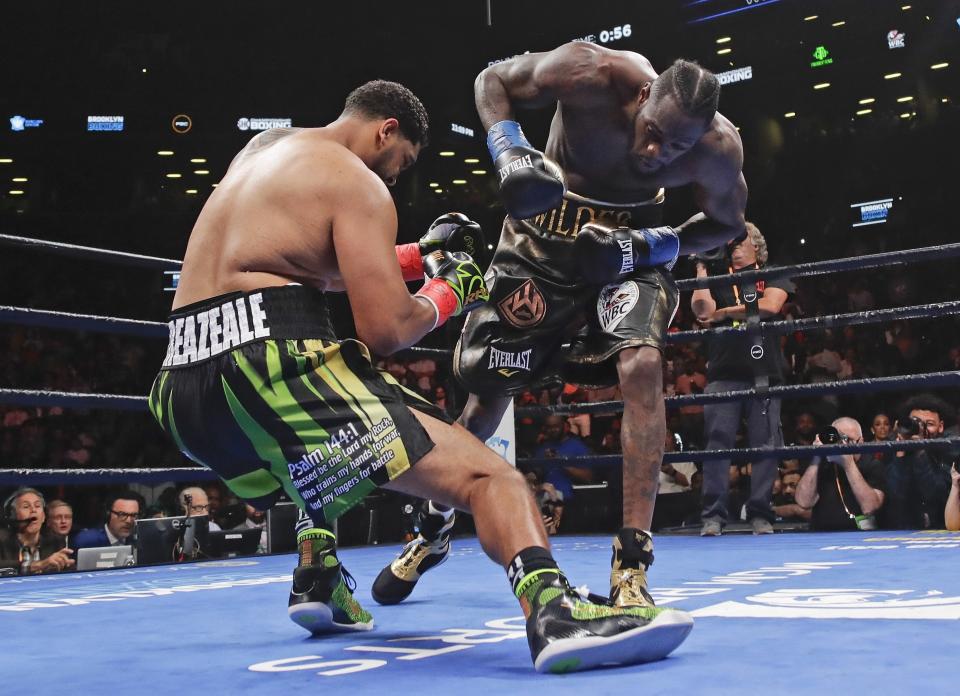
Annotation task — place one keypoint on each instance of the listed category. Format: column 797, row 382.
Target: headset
column 122, row 495
column 8, row 512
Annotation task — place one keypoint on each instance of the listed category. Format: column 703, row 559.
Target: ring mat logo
column 524, row 307
column 840, row 603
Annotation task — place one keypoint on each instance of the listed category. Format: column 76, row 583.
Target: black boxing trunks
column 539, row 301
column 257, row 387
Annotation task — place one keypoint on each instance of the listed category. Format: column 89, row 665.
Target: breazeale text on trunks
column 210, row 332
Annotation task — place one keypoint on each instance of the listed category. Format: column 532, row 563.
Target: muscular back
column 269, row 222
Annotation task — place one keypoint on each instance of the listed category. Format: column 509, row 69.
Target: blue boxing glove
column 530, row 183
column 609, row 252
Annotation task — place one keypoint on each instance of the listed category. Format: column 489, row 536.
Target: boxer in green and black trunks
column 256, row 385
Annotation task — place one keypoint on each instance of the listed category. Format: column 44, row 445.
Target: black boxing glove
column 455, row 284
column 451, row 232
column 530, row 183
column 607, row 252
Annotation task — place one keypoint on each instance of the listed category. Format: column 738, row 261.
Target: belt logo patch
column 524, row 307
column 615, row 303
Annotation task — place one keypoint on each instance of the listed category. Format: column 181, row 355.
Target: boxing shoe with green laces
column 568, row 633
column 321, row 599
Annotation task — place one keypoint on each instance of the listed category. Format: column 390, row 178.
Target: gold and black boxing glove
column 455, row 284
column 452, row 232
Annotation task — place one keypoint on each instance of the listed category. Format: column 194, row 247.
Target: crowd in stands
column 53, row 437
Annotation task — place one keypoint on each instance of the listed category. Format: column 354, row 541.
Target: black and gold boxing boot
column 568, row 633
column 632, row 556
column 321, row 599
column 429, row 549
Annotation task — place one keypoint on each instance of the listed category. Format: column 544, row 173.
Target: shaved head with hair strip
column 695, row 89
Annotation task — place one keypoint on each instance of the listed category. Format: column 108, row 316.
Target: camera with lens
column 911, row 427
column 547, row 508
column 716, row 260
column 831, row 436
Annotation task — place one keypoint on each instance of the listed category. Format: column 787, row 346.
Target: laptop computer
column 170, row 539
column 99, row 557
column 229, row 543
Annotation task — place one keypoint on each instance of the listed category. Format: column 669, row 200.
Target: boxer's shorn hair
column 383, row 99
column 695, row 89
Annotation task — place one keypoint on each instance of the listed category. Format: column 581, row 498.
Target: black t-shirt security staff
column 729, row 356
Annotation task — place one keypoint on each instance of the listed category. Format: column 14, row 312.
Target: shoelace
column 348, row 579
column 410, row 554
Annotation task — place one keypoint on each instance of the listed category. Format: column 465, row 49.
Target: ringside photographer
column 919, row 481
column 843, row 491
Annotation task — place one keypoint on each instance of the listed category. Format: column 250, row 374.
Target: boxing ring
column 797, row 613
column 786, row 613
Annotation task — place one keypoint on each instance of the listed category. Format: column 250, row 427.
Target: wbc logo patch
column 615, row 303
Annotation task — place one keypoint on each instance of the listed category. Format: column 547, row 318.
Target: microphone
column 13, row 522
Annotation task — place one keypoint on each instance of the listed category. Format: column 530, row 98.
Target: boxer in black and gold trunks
column 582, row 257
column 256, row 386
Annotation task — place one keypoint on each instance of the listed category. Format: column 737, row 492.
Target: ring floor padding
column 786, row 613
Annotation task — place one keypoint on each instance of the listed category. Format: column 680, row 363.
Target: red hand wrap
column 443, row 298
column 411, row 263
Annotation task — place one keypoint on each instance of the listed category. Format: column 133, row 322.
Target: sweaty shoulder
column 582, row 67
column 720, row 149
column 351, row 180
column 332, row 171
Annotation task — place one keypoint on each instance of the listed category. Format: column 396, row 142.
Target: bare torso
column 592, row 143
column 262, row 227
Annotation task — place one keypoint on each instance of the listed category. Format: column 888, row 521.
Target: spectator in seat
column 194, row 503
column 559, row 443
column 60, row 519
column 122, row 513
column 785, row 502
column 25, row 545
column 676, row 501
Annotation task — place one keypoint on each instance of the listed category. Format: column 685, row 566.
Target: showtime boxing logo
column 260, row 124
column 520, row 163
column 735, row 75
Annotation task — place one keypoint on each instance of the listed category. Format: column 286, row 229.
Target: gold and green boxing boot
column 568, row 633
column 429, row 549
column 321, row 599
column 632, row 556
